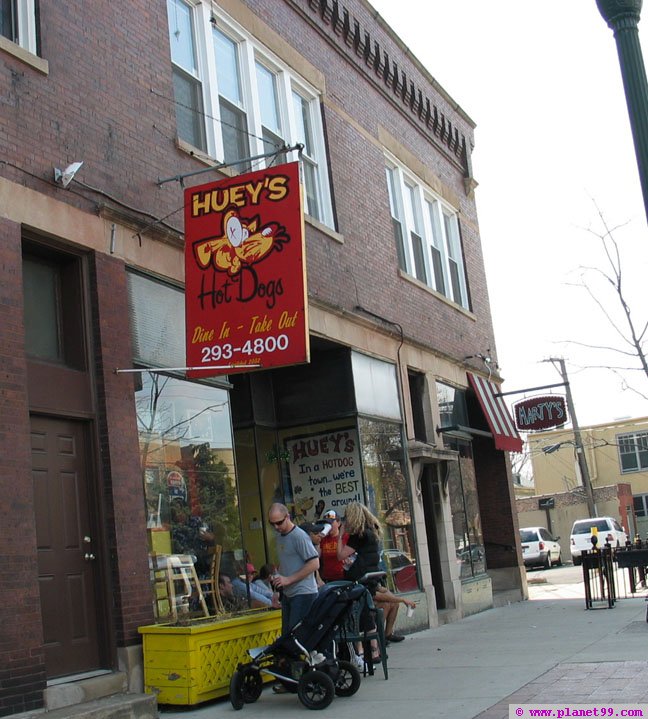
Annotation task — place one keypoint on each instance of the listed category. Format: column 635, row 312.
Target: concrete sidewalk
column 548, row 649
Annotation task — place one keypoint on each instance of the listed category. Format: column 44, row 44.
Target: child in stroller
column 304, row 659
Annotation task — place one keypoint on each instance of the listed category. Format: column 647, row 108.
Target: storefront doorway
column 65, row 482
column 66, row 529
column 433, row 512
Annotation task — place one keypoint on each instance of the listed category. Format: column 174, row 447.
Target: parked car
column 539, row 548
column 608, row 530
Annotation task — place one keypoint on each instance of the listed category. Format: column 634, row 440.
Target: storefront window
column 387, row 491
column 188, row 465
column 464, row 504
column 322, row 468
column 259, row 473
column 376, row 389
column 388, row 499
column 189, row 480
column 462, row 484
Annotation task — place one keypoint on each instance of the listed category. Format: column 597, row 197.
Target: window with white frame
column 235, row 100
column 18, row 23
column 633, row 451
column 187, row 83
column 426, row 233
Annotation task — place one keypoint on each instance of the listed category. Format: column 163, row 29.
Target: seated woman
column 389, row 603
column 359, row 535
column 359, row 549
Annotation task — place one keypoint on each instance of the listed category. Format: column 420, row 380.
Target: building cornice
column 343, row 32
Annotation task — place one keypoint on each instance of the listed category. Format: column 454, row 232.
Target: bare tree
column 610, row 292
column 521, row 467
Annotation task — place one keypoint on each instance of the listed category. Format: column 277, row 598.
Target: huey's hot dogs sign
column 540, row 413
column 245, row 273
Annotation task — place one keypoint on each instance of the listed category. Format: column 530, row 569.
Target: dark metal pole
column 622, row 16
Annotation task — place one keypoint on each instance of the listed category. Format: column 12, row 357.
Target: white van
column 608, row 530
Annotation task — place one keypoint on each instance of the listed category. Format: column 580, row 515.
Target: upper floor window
column 235, row 100
column 18, row 23
column 52, row 295
column 633, row 451
column 426, row 233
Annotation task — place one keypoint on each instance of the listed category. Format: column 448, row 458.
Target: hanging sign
column 540, row 413
column 245, row 273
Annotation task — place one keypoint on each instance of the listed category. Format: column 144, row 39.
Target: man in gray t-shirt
column 298, row 562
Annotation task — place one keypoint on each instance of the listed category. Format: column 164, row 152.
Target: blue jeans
column 294, row 609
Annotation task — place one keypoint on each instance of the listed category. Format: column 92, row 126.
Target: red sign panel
column 540, row 413
column 245, row 273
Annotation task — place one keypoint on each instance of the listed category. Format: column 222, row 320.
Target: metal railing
column 612, row 574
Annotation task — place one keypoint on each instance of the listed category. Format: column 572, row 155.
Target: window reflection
column 388, row 499
column 452, row 406
column 462, row 484
column 188, row 471
column 464, row 504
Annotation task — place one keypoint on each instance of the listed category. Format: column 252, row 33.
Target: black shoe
column 395, row 638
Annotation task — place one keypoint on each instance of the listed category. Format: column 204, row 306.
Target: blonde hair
column 359, row 520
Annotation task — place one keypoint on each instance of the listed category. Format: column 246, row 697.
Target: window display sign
column 245, row 273
column 325, row 472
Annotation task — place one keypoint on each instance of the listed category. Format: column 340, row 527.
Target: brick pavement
column 580, row 683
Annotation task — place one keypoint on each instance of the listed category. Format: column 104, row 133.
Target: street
column 567, row 574
column 566, row 582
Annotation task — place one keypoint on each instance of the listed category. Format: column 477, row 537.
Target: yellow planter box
column 192, row 664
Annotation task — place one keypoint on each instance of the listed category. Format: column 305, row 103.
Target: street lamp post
column 622, row 16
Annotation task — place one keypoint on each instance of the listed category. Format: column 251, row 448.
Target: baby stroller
column 304, row 660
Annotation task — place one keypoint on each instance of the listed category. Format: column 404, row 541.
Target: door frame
column 69, row 392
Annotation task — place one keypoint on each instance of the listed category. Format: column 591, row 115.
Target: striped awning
column 497, row 415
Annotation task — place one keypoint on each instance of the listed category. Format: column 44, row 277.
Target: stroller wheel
column 252, row 685
column 348, row 679
column 245, row 687
column 236, row 690
column 315, row 689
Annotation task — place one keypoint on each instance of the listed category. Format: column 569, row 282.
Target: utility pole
column 578, row 440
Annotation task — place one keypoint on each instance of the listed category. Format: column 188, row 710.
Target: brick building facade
column 396, row 290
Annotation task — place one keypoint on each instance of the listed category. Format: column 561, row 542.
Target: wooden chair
column 176, row 584
column 163, row 606
column 209, row 586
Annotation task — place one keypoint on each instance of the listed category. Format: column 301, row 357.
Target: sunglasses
column 280, row 522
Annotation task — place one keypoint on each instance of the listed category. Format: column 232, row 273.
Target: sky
column 555, row 163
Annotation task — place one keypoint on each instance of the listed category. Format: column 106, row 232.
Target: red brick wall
column 624, row 493
column 22, row 664
column 125, row 519
column 117, row 115
column 496, row 504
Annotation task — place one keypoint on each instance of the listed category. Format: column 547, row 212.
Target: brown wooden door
column 67, row 546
